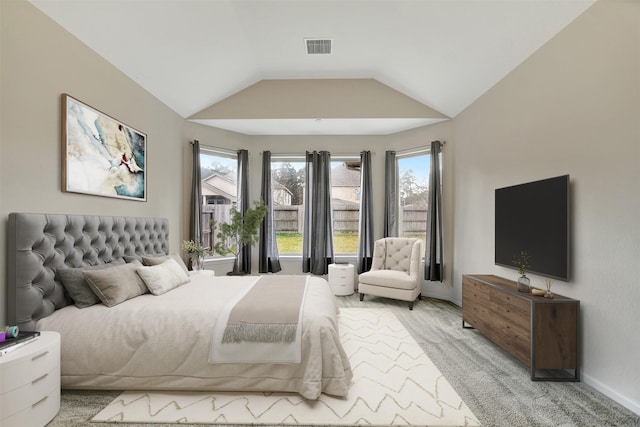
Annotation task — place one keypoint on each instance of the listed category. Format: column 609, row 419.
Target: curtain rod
column 216, row 150
column 302, row 156
column 412, row 151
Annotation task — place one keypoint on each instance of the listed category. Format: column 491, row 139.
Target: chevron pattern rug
column 394, row 383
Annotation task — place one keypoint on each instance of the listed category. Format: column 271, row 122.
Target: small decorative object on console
column 522, row 262
column 548, row 293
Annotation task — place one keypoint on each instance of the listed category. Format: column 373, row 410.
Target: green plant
column 239, row 231
column 194, row 249
column 522, row 262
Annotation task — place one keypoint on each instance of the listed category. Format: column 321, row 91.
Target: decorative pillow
column 163, row 277
column 78, row 289
column 156, row 260
column 116, row 284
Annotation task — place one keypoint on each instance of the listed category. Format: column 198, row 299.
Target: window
column 345, row 204
column 288, row 185
column 413, row 192
column 219, row 172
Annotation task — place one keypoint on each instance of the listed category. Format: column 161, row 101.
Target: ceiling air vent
column 318, row 46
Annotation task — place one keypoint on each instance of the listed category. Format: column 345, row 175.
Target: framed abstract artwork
column 100, row 155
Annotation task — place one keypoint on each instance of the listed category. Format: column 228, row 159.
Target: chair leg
column 411, row 302
column 361, row 297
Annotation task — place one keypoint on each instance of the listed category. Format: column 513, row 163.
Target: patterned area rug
column 394, row 383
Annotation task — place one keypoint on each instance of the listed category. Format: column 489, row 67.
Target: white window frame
column 297, row 158
column 220, row 153
column 413, row 152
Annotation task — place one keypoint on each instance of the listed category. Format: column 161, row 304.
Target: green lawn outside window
column 343, row 243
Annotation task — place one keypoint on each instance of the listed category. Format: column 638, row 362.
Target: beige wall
column 571, row 108
column 40, row 61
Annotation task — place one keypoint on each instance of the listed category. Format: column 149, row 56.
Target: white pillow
column 163, row 277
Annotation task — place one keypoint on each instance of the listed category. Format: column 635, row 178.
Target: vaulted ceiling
column 193, row 54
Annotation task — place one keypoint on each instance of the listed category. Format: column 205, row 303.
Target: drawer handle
column 39, row 355
column 39, row 401
column 40, row 379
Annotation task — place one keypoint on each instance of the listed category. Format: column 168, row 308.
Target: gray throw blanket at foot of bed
column 269, row 312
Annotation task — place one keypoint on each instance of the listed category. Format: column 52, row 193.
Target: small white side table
column 341, row 279
column 30, row 382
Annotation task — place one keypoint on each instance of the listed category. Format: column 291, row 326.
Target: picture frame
column 101, row 156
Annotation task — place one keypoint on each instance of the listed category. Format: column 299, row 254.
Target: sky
column 419, row 165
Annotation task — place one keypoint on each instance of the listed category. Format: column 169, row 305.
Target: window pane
column 345, row 203
column 413, row 183
column 219, row 191
column 288, row 181
column 287, row 185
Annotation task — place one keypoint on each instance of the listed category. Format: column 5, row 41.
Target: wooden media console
column 540, row 332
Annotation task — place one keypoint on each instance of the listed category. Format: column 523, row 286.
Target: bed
column 155, row 342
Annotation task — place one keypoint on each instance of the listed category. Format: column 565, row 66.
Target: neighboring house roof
column 229, row 177
column 343, row 176
column 219, row 185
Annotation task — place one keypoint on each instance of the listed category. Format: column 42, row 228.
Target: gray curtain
column 433, row 269
column 365, row 222
column 195, row 218
column 390, row 195
column 317, row 240
column 268, row 249
column 244, row 265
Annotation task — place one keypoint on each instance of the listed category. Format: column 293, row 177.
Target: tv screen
column 534, row 217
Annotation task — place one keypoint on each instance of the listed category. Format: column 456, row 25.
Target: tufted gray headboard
column 39, row 244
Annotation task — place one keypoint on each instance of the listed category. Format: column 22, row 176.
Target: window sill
column 220, row 259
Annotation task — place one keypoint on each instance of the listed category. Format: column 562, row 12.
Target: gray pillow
column 156, row 260
column 131, row 258
column 78, row 289
column 116, row 284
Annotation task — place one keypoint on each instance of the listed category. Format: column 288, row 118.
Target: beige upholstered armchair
column 395, row 270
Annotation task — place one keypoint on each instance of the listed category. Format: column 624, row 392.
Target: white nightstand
column 30, row 382
column 341, row 279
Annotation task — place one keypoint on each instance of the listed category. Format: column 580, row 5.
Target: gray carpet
column 494, row 385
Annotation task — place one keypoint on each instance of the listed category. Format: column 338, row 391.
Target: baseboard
column 610, row 393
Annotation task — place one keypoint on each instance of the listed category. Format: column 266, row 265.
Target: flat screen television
column 534, row 217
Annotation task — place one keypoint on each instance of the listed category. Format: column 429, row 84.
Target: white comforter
column 162, row 343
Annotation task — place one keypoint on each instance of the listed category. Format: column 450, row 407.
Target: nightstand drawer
column 22, row 371
column 337, row 281
column 30, row 382
column 37, row 414
column 29, row 394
